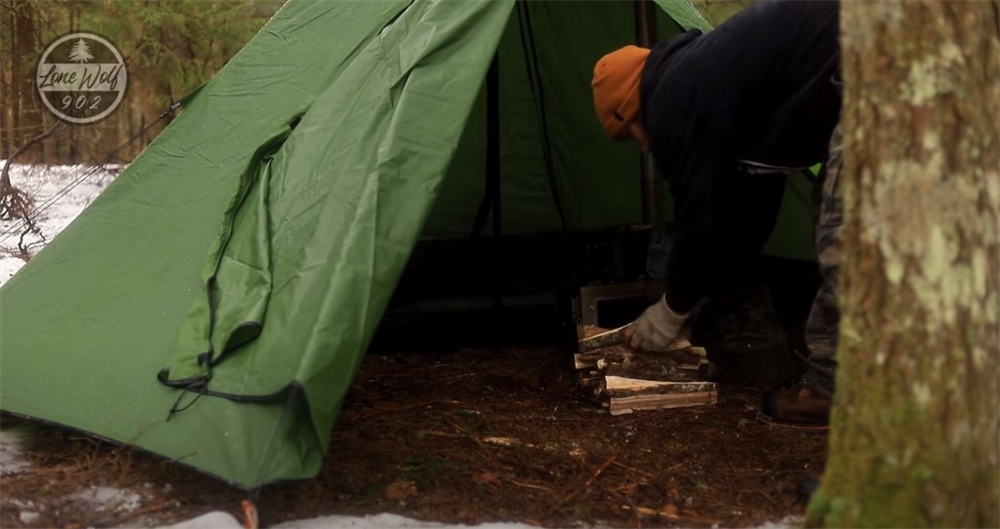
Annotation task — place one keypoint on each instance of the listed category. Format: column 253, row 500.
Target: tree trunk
column 6, row 79
column 916, row 420
column 27, row 52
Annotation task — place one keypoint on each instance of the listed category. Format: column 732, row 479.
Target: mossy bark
column 915, row 428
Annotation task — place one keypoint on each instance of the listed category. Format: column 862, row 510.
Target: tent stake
column 250, row 519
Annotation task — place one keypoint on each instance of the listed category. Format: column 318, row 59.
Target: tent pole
column 652, row 187
column 493, row 174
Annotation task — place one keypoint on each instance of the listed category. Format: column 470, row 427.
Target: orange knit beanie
column 616, row 88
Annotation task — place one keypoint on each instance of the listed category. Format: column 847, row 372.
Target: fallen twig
column 586, row 485
column 601, row 469
column 633, row 469
column 645, row 511
column 528, row 485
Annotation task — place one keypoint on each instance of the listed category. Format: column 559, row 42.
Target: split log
column 623, row 380
column 625, row 395
column 684, row 354
column 624, row 405
column 591, row 340
column 678, row 365
column 630, row 387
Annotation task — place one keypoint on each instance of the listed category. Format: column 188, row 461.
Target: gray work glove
column 657, row 328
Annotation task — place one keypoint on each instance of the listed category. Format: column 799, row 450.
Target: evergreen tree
column 80, row 52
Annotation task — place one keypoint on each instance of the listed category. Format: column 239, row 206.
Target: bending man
column 727, row 115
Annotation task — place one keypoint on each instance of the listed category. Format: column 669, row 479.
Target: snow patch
column 385, row 521
column 12, row 444
column 104, row 499
column 9, row 266
column 222, row 520
column 60, row 193
column 787, row 522
column 212, row 520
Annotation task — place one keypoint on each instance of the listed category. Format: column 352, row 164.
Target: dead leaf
column 400, row 490
column 672, row 491
column 670, row 510
column 486, row 478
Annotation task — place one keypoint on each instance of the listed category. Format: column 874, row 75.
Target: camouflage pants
column 824, row 318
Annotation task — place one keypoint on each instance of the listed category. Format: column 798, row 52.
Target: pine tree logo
column 81, row 78
column 80, row 52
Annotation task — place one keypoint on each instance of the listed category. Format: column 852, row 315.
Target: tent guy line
column 49, row 202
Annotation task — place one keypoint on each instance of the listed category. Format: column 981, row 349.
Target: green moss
column 840, row 508
column 817, row 510
column 922, row 473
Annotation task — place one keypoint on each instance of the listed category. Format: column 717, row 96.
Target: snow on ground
column 221, row 520
column 92, row 499
column 61, row 193
column 12, row 443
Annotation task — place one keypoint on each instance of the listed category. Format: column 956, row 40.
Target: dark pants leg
column 824, row 318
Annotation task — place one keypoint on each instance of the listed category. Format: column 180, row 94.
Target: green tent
column 213, row 304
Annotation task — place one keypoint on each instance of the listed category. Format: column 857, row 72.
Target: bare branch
column 13, row 203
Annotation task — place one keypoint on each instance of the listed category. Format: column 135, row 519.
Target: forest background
column 170, row 48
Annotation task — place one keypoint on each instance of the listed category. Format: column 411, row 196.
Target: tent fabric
column 546, row 108
column 685, row 14
column 213, row 304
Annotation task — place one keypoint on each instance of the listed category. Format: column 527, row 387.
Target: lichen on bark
column 916, row 421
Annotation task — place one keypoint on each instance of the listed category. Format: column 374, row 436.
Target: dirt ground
column 466, row 436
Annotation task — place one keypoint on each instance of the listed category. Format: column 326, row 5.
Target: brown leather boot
column 796, row 407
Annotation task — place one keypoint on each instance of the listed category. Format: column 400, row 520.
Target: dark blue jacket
column 763, row 87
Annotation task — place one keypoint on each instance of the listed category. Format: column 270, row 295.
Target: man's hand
column 656, row 328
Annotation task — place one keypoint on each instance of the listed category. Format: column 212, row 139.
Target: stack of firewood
column 624, row 380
